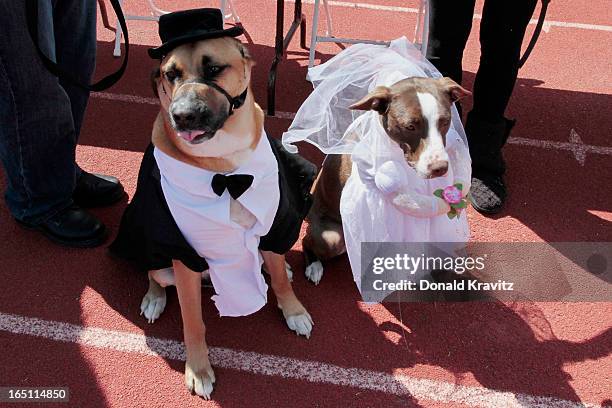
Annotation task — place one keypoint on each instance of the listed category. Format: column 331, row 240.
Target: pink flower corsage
column 454, row 197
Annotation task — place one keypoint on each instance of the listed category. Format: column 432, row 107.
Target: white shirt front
column 230, row 249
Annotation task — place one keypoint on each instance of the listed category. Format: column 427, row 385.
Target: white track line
column 125, row 98
column 397, row 9
column 284, row 367
column 575, row 144
column 155, row 101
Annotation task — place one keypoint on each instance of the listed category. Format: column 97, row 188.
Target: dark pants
column 41, row 116
column 501, row 33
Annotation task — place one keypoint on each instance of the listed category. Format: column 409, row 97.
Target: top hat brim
column 165, row 48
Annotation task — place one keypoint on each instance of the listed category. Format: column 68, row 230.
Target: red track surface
column 556, row 350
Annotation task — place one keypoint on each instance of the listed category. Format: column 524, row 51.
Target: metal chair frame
column 227, row 8
column 420, row 31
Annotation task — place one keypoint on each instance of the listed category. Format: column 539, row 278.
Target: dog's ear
column 455, row 90
column 155, row 78
column 244, row 52
column 377, row 100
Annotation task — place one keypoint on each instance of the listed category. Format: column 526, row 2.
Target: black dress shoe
column 72, row 227
column 486, row 139
column 488, row 193
column 97, row 190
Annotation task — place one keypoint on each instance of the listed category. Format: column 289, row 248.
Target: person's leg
column 75, row 39
column 501, row 34
column 450, row 23
column 37, row 138
column 74, row 24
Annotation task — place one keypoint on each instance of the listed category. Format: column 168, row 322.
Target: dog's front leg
column 419, row 206
column 199, row 375
column 387, row 180
column 297, row 317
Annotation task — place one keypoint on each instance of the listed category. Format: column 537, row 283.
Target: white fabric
column 204, row 219
column 384, row 199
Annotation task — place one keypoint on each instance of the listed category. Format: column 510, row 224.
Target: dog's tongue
column 190, row 134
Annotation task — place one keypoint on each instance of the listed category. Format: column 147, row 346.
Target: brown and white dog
column 416, row 114
column 198, row 130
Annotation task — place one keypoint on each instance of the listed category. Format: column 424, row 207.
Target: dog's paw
column 164, row 277
column 153, row 304
column 289, row 271
column 301, row 324
column 297, row 317
column 314, row 272
column 200, row 381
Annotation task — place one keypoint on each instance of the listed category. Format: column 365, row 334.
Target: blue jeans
column 41, row 115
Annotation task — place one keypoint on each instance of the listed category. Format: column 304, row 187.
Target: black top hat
column 187, row 26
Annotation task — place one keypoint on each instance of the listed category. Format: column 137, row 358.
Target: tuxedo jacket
column 149, row 235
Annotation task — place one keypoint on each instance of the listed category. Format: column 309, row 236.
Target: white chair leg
column 228, row 10
column 425, row 35
column 329, row 31
column 421, row 30
column 235, row 15
column 117, row 50
column 416, row 39
column 156, row 11
column 313, row 37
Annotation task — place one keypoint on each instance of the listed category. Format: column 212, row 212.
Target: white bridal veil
column 324, row 116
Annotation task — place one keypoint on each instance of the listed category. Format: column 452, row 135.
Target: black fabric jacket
column 149, row 235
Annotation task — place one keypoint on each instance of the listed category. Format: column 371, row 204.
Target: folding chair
column 420, row 31
column 226, row 6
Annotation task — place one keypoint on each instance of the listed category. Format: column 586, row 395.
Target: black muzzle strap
column 234, row 102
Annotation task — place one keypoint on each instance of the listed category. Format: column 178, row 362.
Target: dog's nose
column 188, row 113
column 183, row 115
column 438, row 168
column 183, row 119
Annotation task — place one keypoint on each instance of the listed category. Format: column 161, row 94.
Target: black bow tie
column 236, row 184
